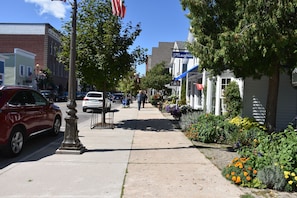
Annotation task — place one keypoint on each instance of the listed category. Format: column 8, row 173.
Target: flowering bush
column 186, row 109
column 291, row 178
column 274, row 155
column 241, row 172
column 174, row 110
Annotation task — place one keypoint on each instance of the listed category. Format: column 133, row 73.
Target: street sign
column 175, row 83
column 182, row 55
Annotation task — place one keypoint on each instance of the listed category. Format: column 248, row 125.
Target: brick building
column 39, row 38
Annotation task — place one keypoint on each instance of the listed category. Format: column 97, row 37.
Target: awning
column 185, row 73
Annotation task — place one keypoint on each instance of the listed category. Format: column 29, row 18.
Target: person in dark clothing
column 144, row 99
column 139, row 99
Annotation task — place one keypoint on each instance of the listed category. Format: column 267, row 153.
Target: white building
column 205, row 92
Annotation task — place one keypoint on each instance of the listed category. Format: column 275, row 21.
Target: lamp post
column 71, row 143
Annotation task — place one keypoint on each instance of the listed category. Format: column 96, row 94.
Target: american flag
column 118, row 8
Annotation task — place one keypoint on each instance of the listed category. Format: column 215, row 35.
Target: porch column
column 218, row 96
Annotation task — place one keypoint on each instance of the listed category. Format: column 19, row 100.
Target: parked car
column 117, row 97
column 80, row 95
column 50, row 95
column 24, row 112
column 94, row 100
column 62, row 97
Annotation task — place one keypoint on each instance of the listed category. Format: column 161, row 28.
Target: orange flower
column 255, row 172
column 245, row 173
column 248, row 178
column 233, row 173
column 235, row 159
column 250, row 168
column 238, row 180
column 227, row 175
column 239, row 165
column 243, row 159
column 234, row 178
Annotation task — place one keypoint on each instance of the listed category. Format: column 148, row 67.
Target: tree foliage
column 157, row 77
column 127, row 83
column 103, row 45
column 252, row 38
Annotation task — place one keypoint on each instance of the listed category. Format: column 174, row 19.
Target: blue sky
column 161, row 20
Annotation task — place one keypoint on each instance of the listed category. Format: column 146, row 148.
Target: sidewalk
column 144, row 156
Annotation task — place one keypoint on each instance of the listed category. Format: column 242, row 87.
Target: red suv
column 24, row 112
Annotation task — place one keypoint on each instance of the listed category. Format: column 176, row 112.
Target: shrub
column 188, row 119
column 246, row 123
column 277, row 148
column 248, row 131
column 272, row 177
column 233, row 100
column 211, row 129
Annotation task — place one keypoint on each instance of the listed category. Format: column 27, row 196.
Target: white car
column 94, row 100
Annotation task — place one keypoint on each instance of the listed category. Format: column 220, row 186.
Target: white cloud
column 55, row 8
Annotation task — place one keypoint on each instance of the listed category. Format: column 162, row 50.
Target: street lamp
column 71, row 143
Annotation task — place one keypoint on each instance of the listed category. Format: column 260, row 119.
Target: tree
column 252, row 38
column 127, row 83
column 103, row 46
column 157, row 77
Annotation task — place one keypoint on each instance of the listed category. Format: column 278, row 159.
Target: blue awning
column 185, row 73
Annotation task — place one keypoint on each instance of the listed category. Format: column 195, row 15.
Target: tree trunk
column 272, row 98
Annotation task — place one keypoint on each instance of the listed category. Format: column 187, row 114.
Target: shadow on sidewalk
column 154, row 125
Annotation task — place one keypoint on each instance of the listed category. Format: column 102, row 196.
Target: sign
column 182, row 55
column 175, row 83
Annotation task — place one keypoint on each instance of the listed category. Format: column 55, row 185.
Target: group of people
column 141, row 99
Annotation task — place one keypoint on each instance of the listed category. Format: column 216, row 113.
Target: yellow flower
column 248, row 178
column 290, row 182
column 245, row 173
column 227, row 175
column 233, row 173
column 293, row 174
column 286, row 176
column 295, row 178
column 286, row 173
column 235, row 159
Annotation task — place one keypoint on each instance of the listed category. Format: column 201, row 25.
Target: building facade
column 19, row 68
column 41, row 39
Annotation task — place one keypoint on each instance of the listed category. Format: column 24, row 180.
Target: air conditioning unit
column 294, row 77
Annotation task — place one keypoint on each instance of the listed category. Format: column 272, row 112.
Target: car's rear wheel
column 16, row 142
column 84, row 109
column 56, row 126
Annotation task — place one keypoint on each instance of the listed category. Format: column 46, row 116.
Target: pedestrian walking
column 144, row 99
column 139, row 99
